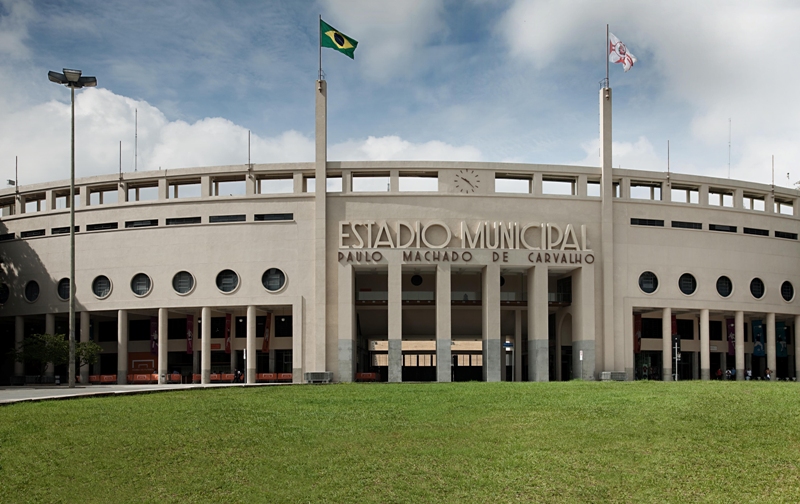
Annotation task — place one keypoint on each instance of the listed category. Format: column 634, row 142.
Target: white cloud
column 392, row 148
column 638, row 155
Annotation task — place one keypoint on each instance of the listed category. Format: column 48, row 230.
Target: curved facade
column 410, row 271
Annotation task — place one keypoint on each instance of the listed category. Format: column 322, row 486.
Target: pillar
column 50, row 328
column 122, row 347
column 163, row 345
column 444, row 360
column 583, row 323
column 195, row 348
column 19, row 337
column 607, row 234
column 347, row 347
column 517, row 345
column 538, row 359
column 395, row 315
column 232, row 336
column 298, row 322
column 796, row 338
column 85, row 329
column 738, row 329
column 771, row 360
column 490, row 305
column 316, row 346
column 252, row 359
column 205, row 356
column 705, row 348
column 666, row 344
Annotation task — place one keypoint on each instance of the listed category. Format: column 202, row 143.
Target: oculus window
column 183, row 282
column 227, row 280
column 724, row 286
column 63, row 289
column 648, row 282
column 687, row 284
column 141, row 284
column 757, row 288
column 4, row 293
column 787, row 291
column 32, row 291
column 101, row 286
column 273, row 279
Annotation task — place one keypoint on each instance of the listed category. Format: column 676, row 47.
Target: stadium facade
column 409, row 271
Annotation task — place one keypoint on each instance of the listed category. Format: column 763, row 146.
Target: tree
column 38, row 350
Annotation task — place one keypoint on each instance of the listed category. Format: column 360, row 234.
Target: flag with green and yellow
column 333, row 38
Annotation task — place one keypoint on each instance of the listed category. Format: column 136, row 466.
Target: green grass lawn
column 460, row 442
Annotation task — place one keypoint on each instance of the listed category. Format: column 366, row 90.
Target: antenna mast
column 729, row 147
column 136, row 142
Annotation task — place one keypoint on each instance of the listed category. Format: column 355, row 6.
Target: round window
column 32, row 291
column 63, row 289
column 687, row 284
column 273, row 279
column 227, row 280
column 416, row 280
column 140, row 284
column 648, row 282
column 4, row 293
column 724, row 286
column 183, row 282
column 101, row 286
column 757, row 288
column 787, row 291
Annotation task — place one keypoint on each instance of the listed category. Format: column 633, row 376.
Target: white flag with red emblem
column 618, row 53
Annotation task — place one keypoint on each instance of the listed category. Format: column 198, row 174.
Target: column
column 205, row 356
column 50, row 328
column 195, row 348
column 444, row 360
column 395, row 315
column 122, row 347
column 298, row 323
column 538, row 359
column 85, row 328
column 490, row 306
column 771, row 360
column 705, row 348
column 347, row 347
column 666, row 344
column 583, row 323
column 19, row 337
column 738, row 329
column 517, row 345
column 252, row 359
column 608, row 331
column 233, row 340
column 163, row 345
column 796, row 344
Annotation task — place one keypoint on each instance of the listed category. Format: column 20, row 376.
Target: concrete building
column 433, row 271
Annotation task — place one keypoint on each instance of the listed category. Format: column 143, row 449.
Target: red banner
column 674, row 324
column 154, row 335
column 265, row 344
column 637, row 333
column 190, row 334
column 227, row 333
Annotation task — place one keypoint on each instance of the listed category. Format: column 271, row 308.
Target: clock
column 467, row 181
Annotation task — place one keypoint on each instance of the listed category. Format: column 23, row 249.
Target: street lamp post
column 72, row 79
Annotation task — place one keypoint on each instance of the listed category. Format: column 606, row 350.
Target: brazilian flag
column 333, row 38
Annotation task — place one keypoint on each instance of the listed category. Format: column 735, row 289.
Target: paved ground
column 13, row 394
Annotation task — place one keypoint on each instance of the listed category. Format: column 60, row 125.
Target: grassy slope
column 466, row 442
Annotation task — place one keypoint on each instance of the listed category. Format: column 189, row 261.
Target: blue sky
column 475, row 80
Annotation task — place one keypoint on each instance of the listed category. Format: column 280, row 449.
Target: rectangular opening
column 722, row 227
column 224, row 187
column 559, row 186
column 687, row 225
column 419, row 182
column 647, row 222
column 720, row 197
column 646, row 190
column 143, row 193
column 276, row 185
column 184, row 189
column 31, row 206
column 7, row 236
column 102, row 226
column 784, row 207
column 7, row 207
column 593, row 188
column 102, row 195
column 178, row 221
column 755, row 231
column 274, row 217
column 334, row 184
column 780, row 234
column 141, row 223
column 63, row 230
column 684, row 194
column 512, row 184
column 615, row 189
column 31, row 234
column 226, row 218
column 370, row 183
column 753, row 202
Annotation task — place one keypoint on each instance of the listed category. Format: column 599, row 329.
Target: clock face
column 467, row 181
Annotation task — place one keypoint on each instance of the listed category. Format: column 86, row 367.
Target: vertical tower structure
column 610, row 361
column 315, row 352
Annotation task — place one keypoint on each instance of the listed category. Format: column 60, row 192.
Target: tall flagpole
column 319, row 35
column 608, row 84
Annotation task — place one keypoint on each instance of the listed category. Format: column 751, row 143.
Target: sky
column 442, row 80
